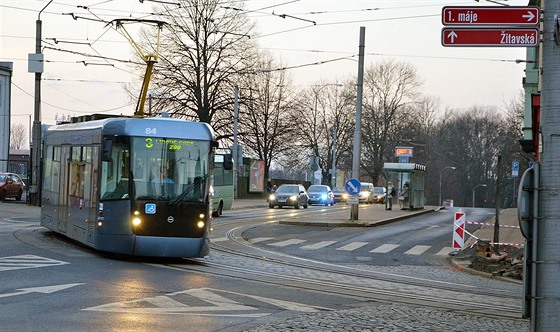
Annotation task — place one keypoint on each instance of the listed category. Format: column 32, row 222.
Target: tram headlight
column 136, row 221
column 200, row 224
column 201, row 216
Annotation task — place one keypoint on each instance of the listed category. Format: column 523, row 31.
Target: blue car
column 320, row 194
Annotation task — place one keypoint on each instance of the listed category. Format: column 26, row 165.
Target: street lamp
column 479, row 185
column 443, row 169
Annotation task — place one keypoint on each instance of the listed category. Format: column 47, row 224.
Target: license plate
column 281, row 201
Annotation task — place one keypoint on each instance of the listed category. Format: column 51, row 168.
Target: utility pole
column 547, row 297
column 357, row 152
column 497, row 201
column 35, row 188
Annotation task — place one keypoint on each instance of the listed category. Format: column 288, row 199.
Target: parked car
column 11, row 185
column 289, row 194
column 320, row 194
column 379, row 194
column 340, row 194
column 366, row 193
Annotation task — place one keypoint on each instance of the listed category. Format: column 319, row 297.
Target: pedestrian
column 404, row 196
column 391, row 192
column 269, row 186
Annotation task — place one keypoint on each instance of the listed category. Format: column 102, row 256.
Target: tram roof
column 144, row 127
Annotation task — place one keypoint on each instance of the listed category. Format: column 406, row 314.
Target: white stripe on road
column 445, row 251
column 286, row 243
column 352, row 246
column 385, row 248
column 319, row 245
column 417, row 250
column 260, row 239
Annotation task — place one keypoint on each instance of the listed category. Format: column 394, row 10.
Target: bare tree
column 204, row 45
column 18, row 137
column 266, row 102
column 391, row 90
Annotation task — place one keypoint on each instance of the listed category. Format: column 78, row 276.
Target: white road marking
column 385, row 248
column 27, row 262
column 318, row 245
column 352, row 246
column 286, row 243
column 217, row 304
column 260, row 239
column 417, row 250
column 445, row 251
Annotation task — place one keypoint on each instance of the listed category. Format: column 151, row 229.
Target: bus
column 223, row 184
column 132, row 186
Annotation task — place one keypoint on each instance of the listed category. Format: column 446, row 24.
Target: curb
column 465, row 268
column 349, row 223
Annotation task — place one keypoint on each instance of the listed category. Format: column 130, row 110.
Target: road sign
column 490, row 16
column 515, row 169
column 504, row 37
column 353, row 186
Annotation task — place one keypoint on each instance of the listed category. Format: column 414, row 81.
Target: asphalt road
column 49, row 283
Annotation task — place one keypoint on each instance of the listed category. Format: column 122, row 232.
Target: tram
column 133, row 186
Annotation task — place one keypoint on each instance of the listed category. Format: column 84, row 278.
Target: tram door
column 63, row 190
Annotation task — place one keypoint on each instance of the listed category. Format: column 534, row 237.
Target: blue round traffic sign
column 353, row 186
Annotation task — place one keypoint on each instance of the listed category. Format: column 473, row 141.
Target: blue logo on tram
column 150, row 208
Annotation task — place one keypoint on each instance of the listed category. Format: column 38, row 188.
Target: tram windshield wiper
column 193, row 192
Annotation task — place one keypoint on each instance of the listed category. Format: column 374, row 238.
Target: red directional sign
column 504, row 37
column 490, row 16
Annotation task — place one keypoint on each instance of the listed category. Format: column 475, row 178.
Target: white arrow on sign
column 44, row 290
column 351, row 185
column 452, row 35
column 529, row 16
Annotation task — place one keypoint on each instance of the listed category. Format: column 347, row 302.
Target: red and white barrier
column 459, row 230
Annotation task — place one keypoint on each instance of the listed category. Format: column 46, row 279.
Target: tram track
column 368, row 285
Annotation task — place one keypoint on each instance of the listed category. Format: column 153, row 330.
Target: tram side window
column 52, row 167
column 114, row 174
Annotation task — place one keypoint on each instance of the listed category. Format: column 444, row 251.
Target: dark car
column 11, row 185
column 379, row 194
column 289, row 194
column 340, row 194
column 320, row 194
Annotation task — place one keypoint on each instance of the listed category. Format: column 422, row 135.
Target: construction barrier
column 459, row 230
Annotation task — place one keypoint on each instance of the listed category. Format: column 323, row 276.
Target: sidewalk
column 369, row 215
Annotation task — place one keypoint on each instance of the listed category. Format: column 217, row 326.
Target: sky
column 311, row 35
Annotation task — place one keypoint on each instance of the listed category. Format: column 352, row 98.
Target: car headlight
column 324, row 196
column 272, row 198
column 344, row 196
column 293, row 198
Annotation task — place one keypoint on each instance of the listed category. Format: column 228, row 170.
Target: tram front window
column 169, row 169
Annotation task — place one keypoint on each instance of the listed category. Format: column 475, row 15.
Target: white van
column 366, row 193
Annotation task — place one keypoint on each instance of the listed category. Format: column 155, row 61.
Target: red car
column 11, row 185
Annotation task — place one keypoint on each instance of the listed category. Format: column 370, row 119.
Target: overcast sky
column 313, row 31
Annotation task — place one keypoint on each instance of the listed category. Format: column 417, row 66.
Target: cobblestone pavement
column 393, row 317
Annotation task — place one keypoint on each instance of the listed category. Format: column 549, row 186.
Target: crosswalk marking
column 286, row 243
column 417, row 250
column 385, row 248
column 445, row 251
column 221, row 239
column 352, row 246
column 27, row 262
column 318, row 245
column 380, row 249
column 260, row 239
